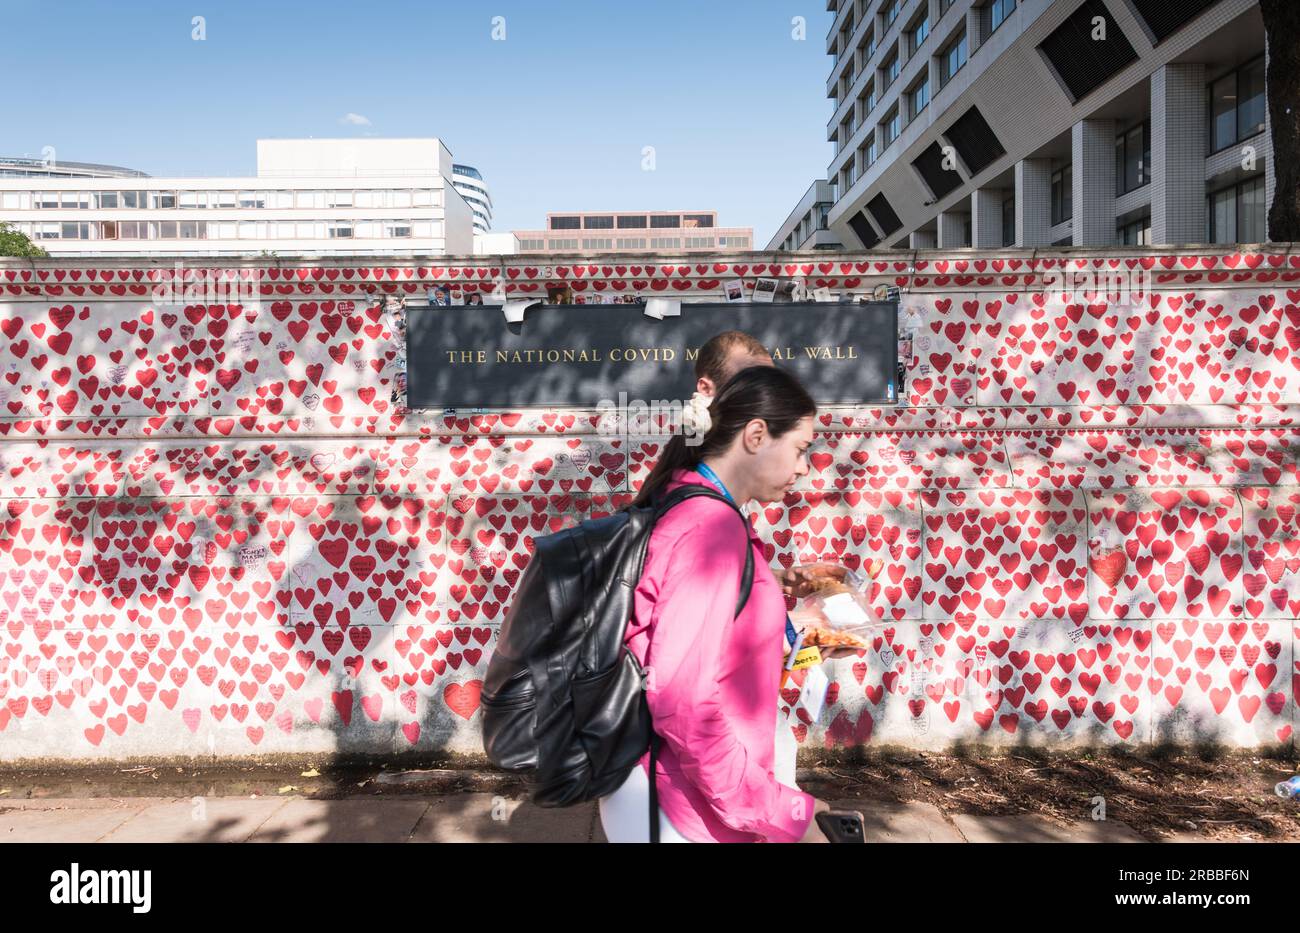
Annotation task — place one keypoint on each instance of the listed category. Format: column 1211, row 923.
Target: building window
column 734, row 242
column 890, row 70
column 1236, row 105
column 891, row 126
column 1062, row 195
column 1009, row 221
column 1137, row 233
column 1132, row 158
column 699, row 220
column 665, row 221
column 945, row 6
column 699, row 242
column 867, row 47
column 598, row 243
column 867, row 100
column 920, row 96
column 660, row 242
column 952, row 58
column 565, row 223
column 598, row 223
column 1237, row 214
column 996, row 13
column 867, row 152
column 631, row 221
column 631, row 243
column 917, row 36
column 890, row 11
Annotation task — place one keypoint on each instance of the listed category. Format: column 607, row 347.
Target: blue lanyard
column 708, row 473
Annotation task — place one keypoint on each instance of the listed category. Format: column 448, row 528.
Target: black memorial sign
column 578, row 355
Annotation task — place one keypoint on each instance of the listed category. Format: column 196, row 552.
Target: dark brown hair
column 712, row 360
column 765, row 392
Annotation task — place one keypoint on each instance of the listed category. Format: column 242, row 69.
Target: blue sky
column 555, row 116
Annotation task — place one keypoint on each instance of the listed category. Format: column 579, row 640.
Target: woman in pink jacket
column 712, row 681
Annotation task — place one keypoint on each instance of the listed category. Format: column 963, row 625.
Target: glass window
column 998, row 11
column 890, row 11
column 891, row 126
column 422, row 197
column 1132, row 159
column 1236, row 105
column 867, row 100
column 891, row 70
column 1251, row 211
column 399, row 228
column 1222, row 216
column 1250, row 90
column 920, row 96
column 918, row 34
column 1009, row 221
column 167, row 230
column 1062, row 195
column 192, row 229
column 632, row 221
column 1223, row 112
column 952, row 58
column 340, row 231
column 226, row 200
column 1137, row 233
column 162, row 199
column 666, row 221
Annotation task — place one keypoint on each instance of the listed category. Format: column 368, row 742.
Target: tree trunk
column 1282, row 33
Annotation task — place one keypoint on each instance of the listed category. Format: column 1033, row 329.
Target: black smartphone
column 841, row 825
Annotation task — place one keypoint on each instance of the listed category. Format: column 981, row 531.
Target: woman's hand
column 796, row 582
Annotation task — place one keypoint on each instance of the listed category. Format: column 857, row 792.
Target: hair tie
column 695, row 414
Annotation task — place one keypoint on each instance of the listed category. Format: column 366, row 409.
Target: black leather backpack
column 563, row 699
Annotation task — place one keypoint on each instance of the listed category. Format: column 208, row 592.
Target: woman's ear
column 754, row 434
column 704, row 385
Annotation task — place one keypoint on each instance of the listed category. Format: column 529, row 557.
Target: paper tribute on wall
column 764, row 290
column 660, row 308
column 823, row 294
column 515, row 308
column 735, row 290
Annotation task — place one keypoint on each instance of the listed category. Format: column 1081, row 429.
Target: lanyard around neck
column 711, row 475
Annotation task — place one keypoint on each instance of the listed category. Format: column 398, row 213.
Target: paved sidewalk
column 466, row 817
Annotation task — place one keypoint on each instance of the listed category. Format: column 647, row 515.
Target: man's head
column 724, row 355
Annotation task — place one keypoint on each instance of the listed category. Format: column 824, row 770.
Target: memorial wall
column 226, row 534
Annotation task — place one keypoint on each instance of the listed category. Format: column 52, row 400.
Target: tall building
column 361, row 196
column 806, row 227
column 993, row 123
column 469, row 182
column 634, row 231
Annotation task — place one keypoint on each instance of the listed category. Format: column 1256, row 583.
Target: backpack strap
column 662, row 504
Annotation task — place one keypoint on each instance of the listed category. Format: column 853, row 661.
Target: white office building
column 1028, row 123
column 357, row 197
column 469, row 182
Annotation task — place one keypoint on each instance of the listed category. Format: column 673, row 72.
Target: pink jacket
column 712, row 681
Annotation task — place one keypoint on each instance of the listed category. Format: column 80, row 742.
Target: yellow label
column 807, row 657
